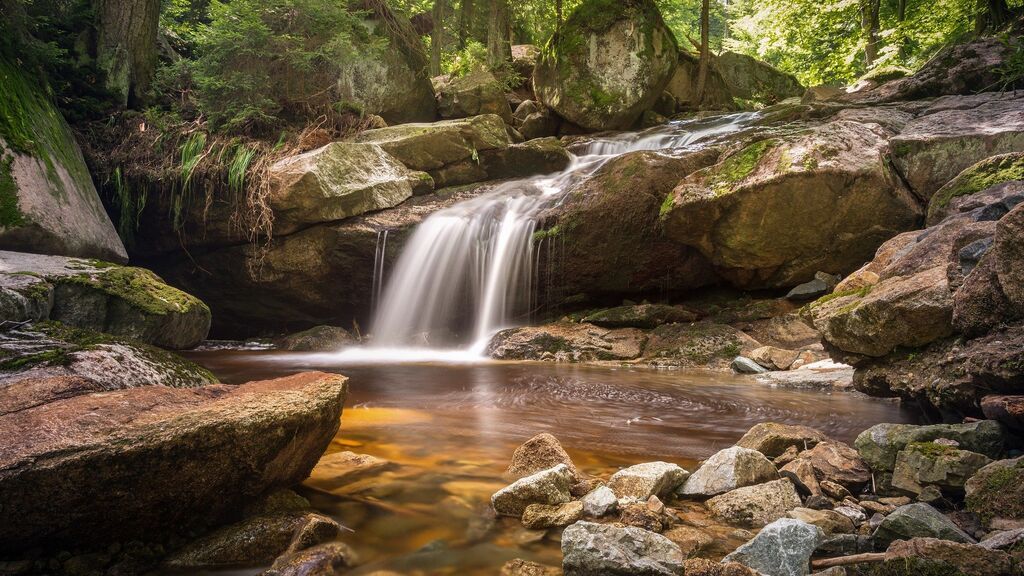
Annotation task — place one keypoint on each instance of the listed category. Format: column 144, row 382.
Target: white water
column 467, row 270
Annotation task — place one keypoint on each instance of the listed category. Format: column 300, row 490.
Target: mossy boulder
column 107, row 467
column 751, row 79
column 996, row 494
column 683, row 86
column 609, row 63
column 956, row 195
column 120, row 300
column 955, row 133
column 566, row 342
column 775, row 210
column 478, row 92
column 337, row 181
column 48, row 203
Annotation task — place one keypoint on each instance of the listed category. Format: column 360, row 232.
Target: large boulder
column 337, row 181
column 996, row 494
column 620, row 200
column 756, row 506
column 608, row 64
column 566, row 342
column 914, row 521
column 48, row 203
column 589, row 548
column 782, row 548
column 156, row 460
column 727, row 470
column 951, row 136
column 120, row 300
column 778, row 210
column 683, row 86
column 478, row 92
column 752, row 79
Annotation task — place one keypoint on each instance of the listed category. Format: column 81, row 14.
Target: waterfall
column 467, row 271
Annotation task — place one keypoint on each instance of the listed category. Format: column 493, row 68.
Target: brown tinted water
column 450, row 429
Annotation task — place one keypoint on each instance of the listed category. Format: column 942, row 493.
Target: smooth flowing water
column 467, row 271
column 449, row 430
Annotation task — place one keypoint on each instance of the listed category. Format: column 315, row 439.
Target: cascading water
column 467, row 271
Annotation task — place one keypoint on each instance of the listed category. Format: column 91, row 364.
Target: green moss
column 979, row 177
column 734, row 169
column 10, row 214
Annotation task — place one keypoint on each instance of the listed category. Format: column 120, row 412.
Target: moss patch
column 979, row 177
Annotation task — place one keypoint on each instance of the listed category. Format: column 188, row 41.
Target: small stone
column 782, row 548
column 644, row 480
column 599, row 502
column 917, row 520
column 589, row 549
column 745, row 365
column 546, row 487
column 540, row 516
column 727, row 470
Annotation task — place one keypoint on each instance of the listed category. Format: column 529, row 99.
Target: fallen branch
column 847, row 560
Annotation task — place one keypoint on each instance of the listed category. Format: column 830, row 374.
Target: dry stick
column 846, row 560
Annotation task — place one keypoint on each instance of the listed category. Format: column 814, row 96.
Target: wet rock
column 689, row 539
column 923, row 464
column 549, row 486
column 1007, row 410
column 642, row 481
column 745, row 365
column 610, row 92
column 478, row 92
column 324, row 560
column 755, row 506
column 996, row 494
column 316, row 339
column 704, row 567
column 938, row 145
column 255, row 541
column 166, row 459
column 641, row 316
column 120, row 300
column 836, row 462
column 540, row 516
column 566, row 342
column 599, row 502
column 519, row 567
column 829, row 521
column 539, row 453
column 739, row 212
column 772, row 438
column 917, row 520
column 337, row 181
column 589, row 548
column 727, row 470
column 880, row 444
column 965, row 558
column 774, row 358
column 782, row 548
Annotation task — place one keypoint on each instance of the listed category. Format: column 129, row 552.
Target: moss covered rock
column 774, row 211
column 120, row 300
column 156, row 460
column 609, row 63
column 48, row 203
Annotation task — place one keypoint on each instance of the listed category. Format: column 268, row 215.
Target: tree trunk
column 437, row 36
column 126, row 34
column 705, row 51
column 465, row 21
column 869, row 28
column 499, row 47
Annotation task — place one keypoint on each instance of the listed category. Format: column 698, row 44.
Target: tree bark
column 705, row 51
column 869, row 29
column 465, row 21
column 126, row 36
column 437, row 36
column 499, row 46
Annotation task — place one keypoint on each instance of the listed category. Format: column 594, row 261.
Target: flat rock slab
column 112, row 465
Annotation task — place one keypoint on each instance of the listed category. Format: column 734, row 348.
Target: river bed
column 448, row 431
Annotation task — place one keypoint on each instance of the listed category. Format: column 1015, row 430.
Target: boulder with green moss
column 996, row 494
column 157, row 461
column 953, row 134
column 478, row 92
column 774, row 211
column 609, row 63
column 48, row 203
column 120, row 300
column 337, row 181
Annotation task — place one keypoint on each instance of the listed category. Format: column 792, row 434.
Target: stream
column 449, row 430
